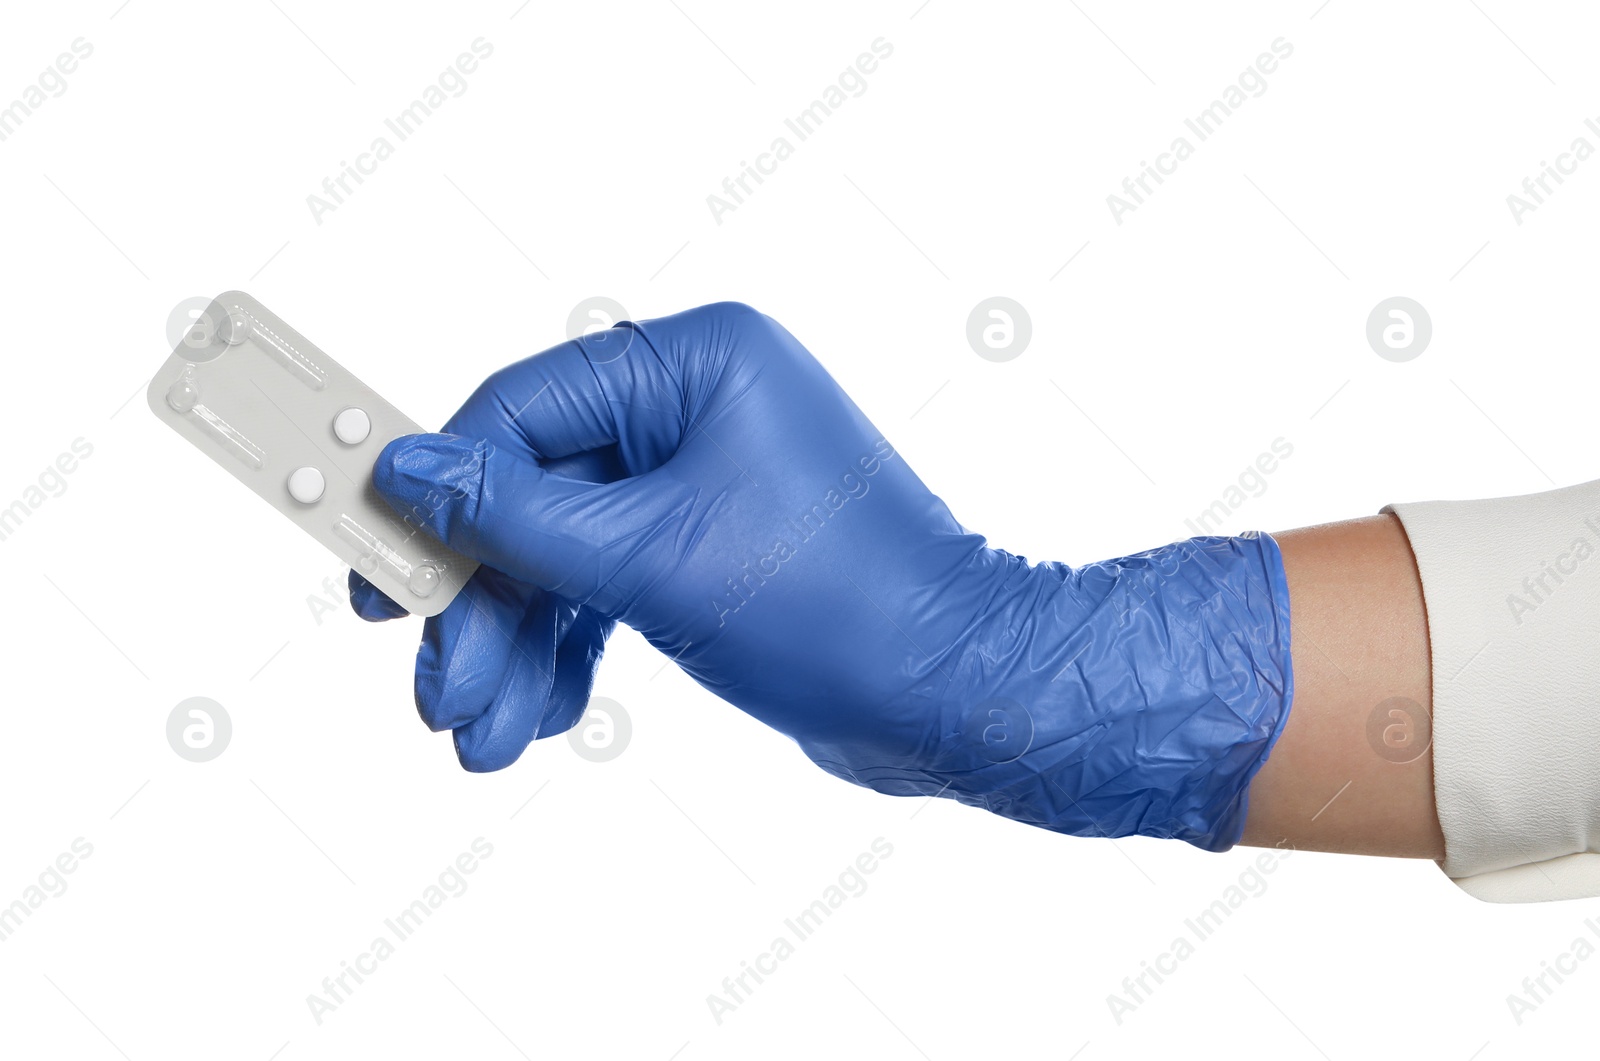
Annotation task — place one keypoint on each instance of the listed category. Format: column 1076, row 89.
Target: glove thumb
column 570, row 537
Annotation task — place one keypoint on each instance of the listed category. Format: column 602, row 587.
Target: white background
column 1227, row 311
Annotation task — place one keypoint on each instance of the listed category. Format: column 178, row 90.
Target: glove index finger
column 370, row 602
column 605, row 388
column 569, row 537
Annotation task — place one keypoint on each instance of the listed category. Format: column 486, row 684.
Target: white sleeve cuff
column 1512, row 590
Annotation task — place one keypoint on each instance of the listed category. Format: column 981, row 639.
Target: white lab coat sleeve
column 1512, row 591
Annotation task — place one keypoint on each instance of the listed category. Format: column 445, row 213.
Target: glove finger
column 595, row 466
column 572, row 538
column 370, row 602
column 603, row 389
column 467, row 648
column 577, row 660
column 599, row 466
column 637, row 387
column 497, row 737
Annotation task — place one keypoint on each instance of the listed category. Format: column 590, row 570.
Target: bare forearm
column 1353, row 768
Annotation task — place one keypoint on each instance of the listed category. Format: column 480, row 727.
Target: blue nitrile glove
column 724, row 497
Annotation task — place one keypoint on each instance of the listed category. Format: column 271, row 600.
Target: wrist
column 1132, row 696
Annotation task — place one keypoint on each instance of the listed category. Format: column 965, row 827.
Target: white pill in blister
column 306, row 485
column 424, row 580
column 352, row 426
column 183, row 395
column 294, row 426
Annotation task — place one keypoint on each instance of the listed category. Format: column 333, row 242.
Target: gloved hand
column 702, row 478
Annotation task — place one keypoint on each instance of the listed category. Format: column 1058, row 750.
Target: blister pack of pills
column 293, row 425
